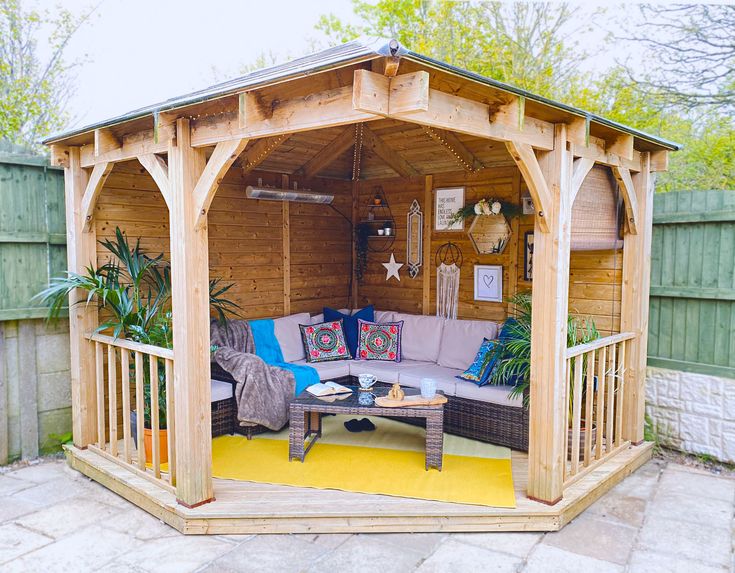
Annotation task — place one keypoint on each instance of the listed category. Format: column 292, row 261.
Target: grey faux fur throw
column 262, row 392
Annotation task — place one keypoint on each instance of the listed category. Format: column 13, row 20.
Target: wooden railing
column 596, row 375
column 137, row 374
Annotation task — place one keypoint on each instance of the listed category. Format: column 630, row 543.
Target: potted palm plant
column 133, row 291
column 512, row 354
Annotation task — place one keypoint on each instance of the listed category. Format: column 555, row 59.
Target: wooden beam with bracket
column 599, row 154
column 417, row 103
column 158, row 170
column 625, row 182
column 582, row 166
column 59, row 155
column 132, row 145
column 224, row 155
column 105, row 142
column 96, row 182
column 525, row 159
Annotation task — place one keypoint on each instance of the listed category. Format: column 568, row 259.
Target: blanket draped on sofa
column 262, row 392
column 269, row 349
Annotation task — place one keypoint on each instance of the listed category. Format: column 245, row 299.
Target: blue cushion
column 349, row 323
column 480, row 369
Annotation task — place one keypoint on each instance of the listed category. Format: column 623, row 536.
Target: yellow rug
column 389, row 461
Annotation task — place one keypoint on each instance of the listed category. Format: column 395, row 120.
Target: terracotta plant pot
column 162, row 445
column 582, row 437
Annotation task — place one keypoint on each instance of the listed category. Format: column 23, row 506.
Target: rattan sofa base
column 493, row 423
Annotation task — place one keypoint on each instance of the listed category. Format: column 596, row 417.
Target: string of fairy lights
column 357, row 152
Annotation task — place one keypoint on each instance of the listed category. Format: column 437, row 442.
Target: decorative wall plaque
column 489, row 234
column 414, row 239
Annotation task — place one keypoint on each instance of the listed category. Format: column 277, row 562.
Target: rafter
column 625, row 182
column 455, row 147
column 105, row 141
column 222, row 158
column 582, row 167
column 329, row 153
column 387, row 154
column 158, row 170
column 525, row 158
column 96, row 181
column 260, row 151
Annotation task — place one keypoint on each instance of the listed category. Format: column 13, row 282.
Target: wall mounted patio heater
column 273, row 194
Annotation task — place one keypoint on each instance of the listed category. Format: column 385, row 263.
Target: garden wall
column 35, row 387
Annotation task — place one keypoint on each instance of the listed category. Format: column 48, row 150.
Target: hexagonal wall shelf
column 489, row 234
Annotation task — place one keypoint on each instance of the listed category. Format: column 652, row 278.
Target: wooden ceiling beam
column 131, row 146
column 329, row 153
column 389, row 156
column 597, row 152
column 260, row 151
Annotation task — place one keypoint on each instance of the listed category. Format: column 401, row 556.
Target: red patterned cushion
column 324, row 341
column 379, row 341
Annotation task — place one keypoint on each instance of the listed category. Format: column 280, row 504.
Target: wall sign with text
column 446, row 203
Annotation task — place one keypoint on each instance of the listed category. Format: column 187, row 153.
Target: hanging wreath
column 483, row 207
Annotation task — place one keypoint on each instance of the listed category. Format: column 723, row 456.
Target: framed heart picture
column 489, row 283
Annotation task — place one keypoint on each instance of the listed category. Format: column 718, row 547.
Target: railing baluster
column 588, row 413
column 140, row 407
column 100, row 367
column 112, row 397
column 125, row 381
column 576, row 412
column 611, row 387
column 171, row 422
column 155, row 453
column 621, row 392
column 601, row 362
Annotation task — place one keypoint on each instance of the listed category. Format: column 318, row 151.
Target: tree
column 691, row 54
column 531, row 45
column 34, row 92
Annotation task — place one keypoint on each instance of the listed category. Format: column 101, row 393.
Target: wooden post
column 81, row 252
column 549, row 385
column 286, row 242
column 355, row 216
column 428, row 263
column 190, row 305
column 634, row 304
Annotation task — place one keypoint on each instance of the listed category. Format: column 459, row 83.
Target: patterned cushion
column 379, row 341
column 480, row 369
column 324, row 341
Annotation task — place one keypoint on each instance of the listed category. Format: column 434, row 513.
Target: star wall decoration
column 392, row 267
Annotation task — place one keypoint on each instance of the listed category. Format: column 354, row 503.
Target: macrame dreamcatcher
column 448, row 262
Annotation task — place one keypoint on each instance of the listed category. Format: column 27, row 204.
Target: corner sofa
column 432, row 347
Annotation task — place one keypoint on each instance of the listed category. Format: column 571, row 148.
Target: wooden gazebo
column 175, row 174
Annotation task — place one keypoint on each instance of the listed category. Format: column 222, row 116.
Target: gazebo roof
column 350, row 53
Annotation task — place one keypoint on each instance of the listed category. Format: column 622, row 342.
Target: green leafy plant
column 133, row 290
column 513, row 352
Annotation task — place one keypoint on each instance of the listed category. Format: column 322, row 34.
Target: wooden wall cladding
column 246, row 245
column 245, row 238
column 406, row 296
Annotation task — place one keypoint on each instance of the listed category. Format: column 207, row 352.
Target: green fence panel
column 692, row 309
column 32, row 232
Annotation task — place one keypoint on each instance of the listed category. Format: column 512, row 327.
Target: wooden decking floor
column 246, row 507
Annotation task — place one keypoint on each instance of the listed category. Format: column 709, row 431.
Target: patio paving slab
column 667, row 517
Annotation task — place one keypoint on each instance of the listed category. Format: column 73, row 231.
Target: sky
column 139, row 52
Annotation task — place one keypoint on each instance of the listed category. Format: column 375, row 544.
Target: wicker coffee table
column 306, row 420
